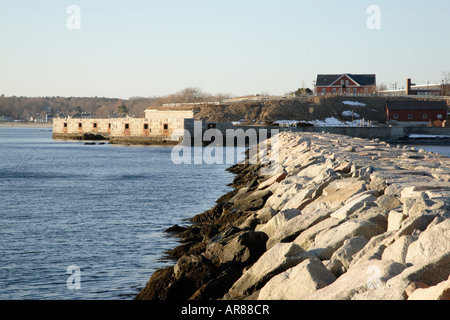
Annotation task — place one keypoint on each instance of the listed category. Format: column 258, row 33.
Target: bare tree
column 445, row 83
column 446, row 77
column 382, row 87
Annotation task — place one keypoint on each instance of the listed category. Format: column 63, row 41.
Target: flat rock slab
column 276, row 260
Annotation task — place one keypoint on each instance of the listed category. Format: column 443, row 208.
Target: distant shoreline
column 26, row 125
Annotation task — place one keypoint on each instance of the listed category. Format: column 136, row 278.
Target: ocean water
column 82, row 222
column 443, row 150
column 87, row 222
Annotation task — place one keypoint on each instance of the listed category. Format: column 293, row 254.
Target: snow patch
column 349, row 113
column 427, row 136
column 354, row 103
column 333, row 122
column 286, row 123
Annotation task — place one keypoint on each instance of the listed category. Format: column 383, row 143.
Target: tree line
column 27, row 108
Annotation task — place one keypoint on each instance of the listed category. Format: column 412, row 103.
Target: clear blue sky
column 147, row 48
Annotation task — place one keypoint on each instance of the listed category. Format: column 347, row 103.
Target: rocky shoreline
column 343, row 218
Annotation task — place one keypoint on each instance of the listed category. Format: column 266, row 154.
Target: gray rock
column 416, row 222
column 349, row 149
column 388, row 202
column 252, row 200
column 265, row 214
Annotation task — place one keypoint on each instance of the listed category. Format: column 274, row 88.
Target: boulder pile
column 339, row 218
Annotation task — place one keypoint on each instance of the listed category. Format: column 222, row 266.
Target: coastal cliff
column 342, row 218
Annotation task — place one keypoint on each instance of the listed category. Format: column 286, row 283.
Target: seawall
column 340, row 218
column 395, row 134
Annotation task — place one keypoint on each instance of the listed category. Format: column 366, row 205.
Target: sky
column 123, row 49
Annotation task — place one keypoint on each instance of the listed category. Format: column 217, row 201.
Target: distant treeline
column 25, row 108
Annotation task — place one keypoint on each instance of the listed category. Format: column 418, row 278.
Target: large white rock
column 284, row 192
column 339, row 191
column 298, row 198
column 328, row 241
column 278, row 220
column 289, row 231
column 306, row 238
column 395, row 219
column 373, row 249
column 353, row 205
column 429, row 273
column 274, row 261
column 440, row 291
column 274, row 179
column 341, row 259
column 434, row 241
column 397, row 251
column 314, row 170
column 369, row 276
column 297, row 282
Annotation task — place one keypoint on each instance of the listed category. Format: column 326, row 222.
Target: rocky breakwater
column 342, row 218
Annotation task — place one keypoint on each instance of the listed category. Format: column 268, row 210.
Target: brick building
column 411, row 112
column 343, row 84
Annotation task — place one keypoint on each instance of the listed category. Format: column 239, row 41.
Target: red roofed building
column 410, row 112
column 345, row 84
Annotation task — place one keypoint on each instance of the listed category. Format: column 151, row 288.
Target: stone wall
column 157, row 127
column 338, row 218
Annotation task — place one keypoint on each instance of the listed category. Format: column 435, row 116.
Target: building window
column 425, row 116
column 395, row 117
column 334, row 90
column 65, row 124
column 127, row 126
column 410, row 116
column 439, row 116
column 80, row 125
column 95, row 125
column 347, row 82
column 109, row 125
column 355, row 91
column 145, row 126
column 166, row 126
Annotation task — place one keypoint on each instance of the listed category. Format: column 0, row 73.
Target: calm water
column 444, row 150
column 101, row 208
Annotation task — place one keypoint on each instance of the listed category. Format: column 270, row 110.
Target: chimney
column 408, row 87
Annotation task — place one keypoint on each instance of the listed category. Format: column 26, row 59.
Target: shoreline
column 25, row 125
column 337, row 208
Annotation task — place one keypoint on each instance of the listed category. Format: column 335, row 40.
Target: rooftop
column 361, row 79
column 416, row 105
